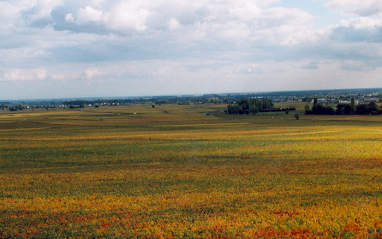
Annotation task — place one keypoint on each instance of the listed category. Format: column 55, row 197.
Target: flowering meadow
column 188, row 172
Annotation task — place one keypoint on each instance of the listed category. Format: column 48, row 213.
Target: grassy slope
column 188, row 171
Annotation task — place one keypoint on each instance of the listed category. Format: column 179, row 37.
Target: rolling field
column 188, row 172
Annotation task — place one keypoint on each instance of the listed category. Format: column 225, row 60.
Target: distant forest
column 255, row 105
column 344, row 109
column 247, row 106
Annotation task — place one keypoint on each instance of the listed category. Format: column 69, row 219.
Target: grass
column 188, row 172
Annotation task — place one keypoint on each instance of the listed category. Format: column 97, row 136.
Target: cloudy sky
column 99, row 48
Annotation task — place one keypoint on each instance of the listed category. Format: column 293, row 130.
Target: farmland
column 188, row 172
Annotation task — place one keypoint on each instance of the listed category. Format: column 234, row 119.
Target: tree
column 373, row 108
column 339, row 109
column 362, row 109
column 308, row 111
column 4, row 107
column 297, row 116
column 315, row 101
column 347, row 110
column 329, row 110
column 322, row 110
column 13, row 108
column 352, row 105
column 253, row 109
column 343, row 109
column 246, row 106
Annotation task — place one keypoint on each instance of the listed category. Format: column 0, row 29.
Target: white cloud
column 91, row 73
column 69, row 17
column 173, row 24
column 41, row 74
column 192, row 46
column 357, row 7
column 57, row 77
column 233, row 20
column 361, row 23
column 41, row 10
column 24, row 74
column 362, row 29
column 9, row 17
column 244, row 10
column 126, row 16
column 90, row 15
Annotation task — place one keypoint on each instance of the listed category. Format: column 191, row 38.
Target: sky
column 125, row 48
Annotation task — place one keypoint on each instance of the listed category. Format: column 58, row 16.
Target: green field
column 188, row 172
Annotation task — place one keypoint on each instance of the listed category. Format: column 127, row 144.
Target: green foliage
column 322, row 110
column 373, row 108
column 344, row 109
column 308, row 111
column 247, row 106
column 364, row 109
column 352, row 105
column 17, row 107
column 361, row 109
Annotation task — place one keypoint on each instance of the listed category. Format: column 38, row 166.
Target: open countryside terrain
column 188, row 172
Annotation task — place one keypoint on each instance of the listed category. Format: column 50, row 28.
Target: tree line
column 250, row 105
column 344, row 109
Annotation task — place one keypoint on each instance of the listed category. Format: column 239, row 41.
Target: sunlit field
column 188, row 172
